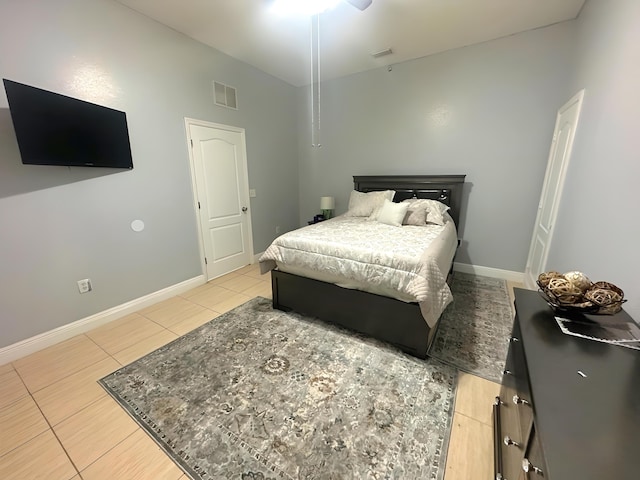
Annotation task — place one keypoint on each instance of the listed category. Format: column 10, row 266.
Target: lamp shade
column 327, row 203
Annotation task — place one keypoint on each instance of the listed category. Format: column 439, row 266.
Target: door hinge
column 191, row 140
column 198, row 205
column 205, row 261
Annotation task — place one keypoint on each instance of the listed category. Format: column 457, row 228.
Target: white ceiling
column 249, row 30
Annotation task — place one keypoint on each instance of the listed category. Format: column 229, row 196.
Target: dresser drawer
column 521, row 397
column 509, row 443
column 533, row 464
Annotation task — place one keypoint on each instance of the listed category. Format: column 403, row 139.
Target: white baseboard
column 65, row 332
column 256, row 257
column 489, row 272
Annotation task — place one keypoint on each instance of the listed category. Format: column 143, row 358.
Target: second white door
column 559, row 156
column 219, row 161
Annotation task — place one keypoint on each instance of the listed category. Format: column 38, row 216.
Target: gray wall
column 487, row 111
column 597, row 229
column 59, row 225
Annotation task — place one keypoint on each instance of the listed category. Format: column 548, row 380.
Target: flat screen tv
column 54, row 129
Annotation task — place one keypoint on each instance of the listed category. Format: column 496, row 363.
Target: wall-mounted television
column 54, row 129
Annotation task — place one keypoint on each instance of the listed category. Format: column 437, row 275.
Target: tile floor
column 57, row 423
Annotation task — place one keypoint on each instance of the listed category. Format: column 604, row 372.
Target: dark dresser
column 569, row 408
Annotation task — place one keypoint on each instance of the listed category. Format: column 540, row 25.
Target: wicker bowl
column 577, row 294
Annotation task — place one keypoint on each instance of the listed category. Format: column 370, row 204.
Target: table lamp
column 327, row 204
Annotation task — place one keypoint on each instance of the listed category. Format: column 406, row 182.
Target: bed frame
column 384, row 318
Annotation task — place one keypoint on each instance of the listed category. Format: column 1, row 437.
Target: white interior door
column 219, row 162
column 559, row 156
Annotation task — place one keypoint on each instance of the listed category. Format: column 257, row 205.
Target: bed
column 356, row 296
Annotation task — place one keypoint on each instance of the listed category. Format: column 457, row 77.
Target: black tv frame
column 55, row 129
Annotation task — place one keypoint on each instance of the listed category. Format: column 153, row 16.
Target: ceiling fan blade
column 360, row 4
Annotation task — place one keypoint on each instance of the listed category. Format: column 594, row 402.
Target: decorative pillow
column 435, row 209
column 364, row 204
column 416, row 216
column 392, row 213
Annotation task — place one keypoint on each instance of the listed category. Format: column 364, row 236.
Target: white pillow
column 364, row 204
column 435, row 209
column 392, row 213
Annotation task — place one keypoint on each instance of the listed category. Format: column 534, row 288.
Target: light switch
column 252, row 192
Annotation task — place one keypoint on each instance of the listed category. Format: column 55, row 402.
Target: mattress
column 409, row 263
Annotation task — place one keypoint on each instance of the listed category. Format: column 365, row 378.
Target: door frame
column 188, row 122
column 577, row 98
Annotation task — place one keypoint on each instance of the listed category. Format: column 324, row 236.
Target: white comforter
column 409, row 262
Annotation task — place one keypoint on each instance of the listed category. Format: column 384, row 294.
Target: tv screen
column 54, row 129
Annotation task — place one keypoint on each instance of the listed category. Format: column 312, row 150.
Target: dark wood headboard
column 444, row 188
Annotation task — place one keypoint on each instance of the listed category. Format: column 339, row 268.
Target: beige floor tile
column 54, row 363
column 210, row 284
column 212, row 296
column 223, row 278
column 475, row 397
column 11, row 388
column 20, row 422
column 185, row 326
column 135, row 458
column 262, row 289
column 42, row 458
column 6, row 368
column 124, row 332
column 263, row 278
column 240, row 283
column 470, row 454
column 159, row 305
column 175, row 312
column 248, row 269
column 231, row 302
column 94, row 430
column 196, row 291
column 140, row 349
column 71, row 394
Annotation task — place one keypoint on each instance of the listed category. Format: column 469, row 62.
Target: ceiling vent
column 382, row 53
column 225, row 96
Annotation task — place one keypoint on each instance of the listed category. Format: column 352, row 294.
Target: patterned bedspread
column 404, row 262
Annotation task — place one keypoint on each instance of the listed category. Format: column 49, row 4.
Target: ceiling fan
column 360, row 4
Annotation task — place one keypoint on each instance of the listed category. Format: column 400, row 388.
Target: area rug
column 258, row 394
column 474, row 330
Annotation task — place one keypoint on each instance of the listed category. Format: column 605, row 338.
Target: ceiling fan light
column 360, row 4
column 302, row 7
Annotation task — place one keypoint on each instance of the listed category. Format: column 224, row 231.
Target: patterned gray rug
column 474, row 330
column 258, row 394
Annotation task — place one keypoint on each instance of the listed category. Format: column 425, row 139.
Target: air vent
column 382, row 53
column 224, row 95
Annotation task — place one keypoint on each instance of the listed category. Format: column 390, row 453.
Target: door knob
column 244, row 209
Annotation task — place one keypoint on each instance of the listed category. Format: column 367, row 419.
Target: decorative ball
column 564, row 291
column 578, row 279
column 602, row 296
column 609, row 286
column 545, row 277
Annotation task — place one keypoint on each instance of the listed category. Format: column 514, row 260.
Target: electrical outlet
column 84, row 286
column 277, row 228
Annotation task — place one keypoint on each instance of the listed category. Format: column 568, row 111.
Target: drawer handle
column 508, row 442
column 527, row 466
column 507, row 372
column 514, row 340
column 517, row 400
